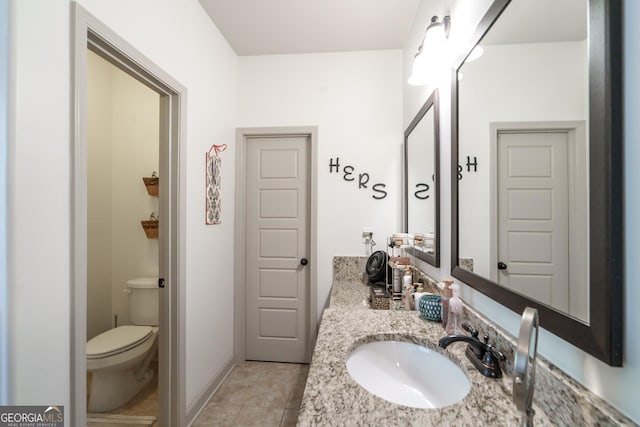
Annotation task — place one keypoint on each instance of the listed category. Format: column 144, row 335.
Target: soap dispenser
column 454, row 319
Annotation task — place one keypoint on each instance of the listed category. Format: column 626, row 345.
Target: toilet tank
column 144, row 301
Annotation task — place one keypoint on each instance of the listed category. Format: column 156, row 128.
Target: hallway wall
column 179, row 37
column 355, row 99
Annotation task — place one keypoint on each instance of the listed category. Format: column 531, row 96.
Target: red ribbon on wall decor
column 217, row 149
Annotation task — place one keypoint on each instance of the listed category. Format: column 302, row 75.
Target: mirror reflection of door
column 529, row 74
column 540, row 199
column 533, row 215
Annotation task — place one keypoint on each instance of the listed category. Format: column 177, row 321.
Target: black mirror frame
column 602, row 337
column 431, row 102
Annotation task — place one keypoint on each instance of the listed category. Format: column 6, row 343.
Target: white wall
column 99, row 193
column 355, row 99
column 179, row 37
column 39, row 288
column 620, row 385
column 616, row 385
column 4, row 143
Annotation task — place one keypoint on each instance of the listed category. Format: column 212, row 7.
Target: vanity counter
column 332, row 397
column 349, row 294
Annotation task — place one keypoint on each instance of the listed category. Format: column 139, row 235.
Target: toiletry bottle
column 446, row 295
column 416, row 300
column 408, row 298
column 398, row 272
column 454, row 319
column 406, row 279
column 407, row 282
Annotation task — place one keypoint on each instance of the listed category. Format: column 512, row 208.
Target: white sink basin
column 408, row 374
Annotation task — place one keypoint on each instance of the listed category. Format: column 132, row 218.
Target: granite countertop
column 332, row 397
column 349, row 294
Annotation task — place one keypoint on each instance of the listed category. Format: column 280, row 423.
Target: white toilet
column 119, row 358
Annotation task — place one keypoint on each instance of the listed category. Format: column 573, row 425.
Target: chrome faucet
column 524, row 365
column 484, row 356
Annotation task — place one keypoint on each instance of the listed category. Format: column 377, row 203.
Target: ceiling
column 268, row 27
column 530, row 21
column 271, row 27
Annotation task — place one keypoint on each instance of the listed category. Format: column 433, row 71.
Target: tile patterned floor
column 265, row 394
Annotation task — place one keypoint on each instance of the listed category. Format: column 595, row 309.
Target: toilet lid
column 117, row 340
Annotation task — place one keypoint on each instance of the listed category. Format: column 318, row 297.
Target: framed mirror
column 537, row 167
column 421, row 177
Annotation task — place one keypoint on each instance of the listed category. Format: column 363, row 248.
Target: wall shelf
column 151, row 182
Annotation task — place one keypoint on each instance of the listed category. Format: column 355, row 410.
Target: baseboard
column 194, row 409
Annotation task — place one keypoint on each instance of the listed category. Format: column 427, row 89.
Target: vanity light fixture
column 429, row 60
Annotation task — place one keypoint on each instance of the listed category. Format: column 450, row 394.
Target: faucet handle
column 493, row 356
column 496, row 353
column 467, row 327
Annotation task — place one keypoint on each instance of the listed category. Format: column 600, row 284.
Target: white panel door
column 533, row 219
column 277, row 240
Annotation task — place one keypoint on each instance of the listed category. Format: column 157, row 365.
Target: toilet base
column 111, row 389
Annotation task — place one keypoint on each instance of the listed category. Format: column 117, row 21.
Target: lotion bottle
column 446, row 295
column 454, row 319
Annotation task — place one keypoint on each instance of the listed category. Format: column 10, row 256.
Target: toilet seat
column 118, row 340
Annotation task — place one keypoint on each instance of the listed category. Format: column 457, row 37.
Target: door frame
column 242, row 135
column 90, row 33
column 577, row 186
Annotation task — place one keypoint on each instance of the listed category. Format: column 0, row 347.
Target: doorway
column 89, row 34
column 275, row 286
column 539, row 212
column 122, row 147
